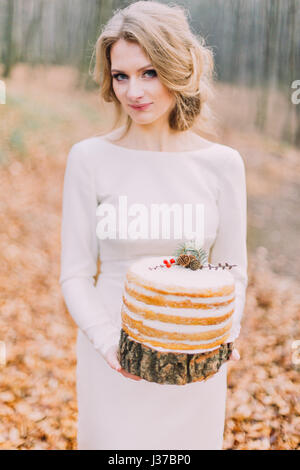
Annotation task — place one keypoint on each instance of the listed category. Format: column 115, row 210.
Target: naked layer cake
column 176, row 316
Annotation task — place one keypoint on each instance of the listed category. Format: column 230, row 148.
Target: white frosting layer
column 180, row 311
column 177, row 276
column 174, row 327
column 158, row 348
column 207, row 301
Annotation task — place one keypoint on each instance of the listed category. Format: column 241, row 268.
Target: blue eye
column 151, row 70
column 116, row 75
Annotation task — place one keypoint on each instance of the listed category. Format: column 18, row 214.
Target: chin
column 143, row 120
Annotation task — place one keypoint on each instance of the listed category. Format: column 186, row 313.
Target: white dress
column 115, row 412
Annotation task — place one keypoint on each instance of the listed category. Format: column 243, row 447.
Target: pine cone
column 191, row 258
column 195, row 264
column 183, row 260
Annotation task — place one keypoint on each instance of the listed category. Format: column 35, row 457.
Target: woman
column 158, row 73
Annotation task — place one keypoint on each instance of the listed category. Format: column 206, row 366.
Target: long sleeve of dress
column 231, row 244
column 79, row 253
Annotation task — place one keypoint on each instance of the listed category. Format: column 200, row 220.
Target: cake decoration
column 189, row 256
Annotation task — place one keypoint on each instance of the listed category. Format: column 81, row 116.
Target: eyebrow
column 142, row 68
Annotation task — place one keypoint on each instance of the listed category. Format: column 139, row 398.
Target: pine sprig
column 199, row 257
column 188, row 248
column 180, row 250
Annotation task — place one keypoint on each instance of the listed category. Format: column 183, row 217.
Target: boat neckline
column 164, row 152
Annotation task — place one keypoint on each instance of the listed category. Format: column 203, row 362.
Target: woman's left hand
column 234, row 356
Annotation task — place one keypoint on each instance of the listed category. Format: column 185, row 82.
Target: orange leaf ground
column 38, row 408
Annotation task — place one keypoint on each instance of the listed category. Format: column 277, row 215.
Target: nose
column 135, row 90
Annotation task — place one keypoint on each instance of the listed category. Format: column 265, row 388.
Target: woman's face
column 135, row 82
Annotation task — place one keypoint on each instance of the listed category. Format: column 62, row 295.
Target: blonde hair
column 184, row 64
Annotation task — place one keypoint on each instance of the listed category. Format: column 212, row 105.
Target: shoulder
column 85, row 151
column 79, row 162
column 85, row 146
column 229, row 167
column 229, row 158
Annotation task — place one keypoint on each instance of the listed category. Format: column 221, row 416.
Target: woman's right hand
column 111, row 358
column 234, row 356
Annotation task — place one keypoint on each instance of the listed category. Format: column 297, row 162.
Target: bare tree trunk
column 34, row 27
column 270, row 13
column 236, row 39
column 169, row 367
column 287, row 133
column 105, row 10
column 8, row 56
column 98, row 15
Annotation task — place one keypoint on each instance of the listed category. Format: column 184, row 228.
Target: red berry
column 172, row 260
column 166, row 261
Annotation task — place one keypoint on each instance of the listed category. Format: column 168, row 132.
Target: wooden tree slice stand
column 168, row 367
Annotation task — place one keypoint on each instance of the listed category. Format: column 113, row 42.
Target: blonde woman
column 158, row 74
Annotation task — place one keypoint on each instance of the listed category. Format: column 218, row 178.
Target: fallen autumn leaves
column 38, row 407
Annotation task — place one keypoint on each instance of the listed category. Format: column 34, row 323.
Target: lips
column 140, row 106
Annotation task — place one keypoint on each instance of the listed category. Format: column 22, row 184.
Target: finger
column 114, row 364
column 235, row 355
column 131, row 376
